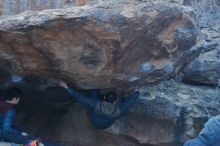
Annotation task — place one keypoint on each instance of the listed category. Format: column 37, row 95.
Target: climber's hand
column 41, row 144
column 24, row 134
column 63, row 84
column 36, row 143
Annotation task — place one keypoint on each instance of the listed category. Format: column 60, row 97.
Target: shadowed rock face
column 164, row 115
column 101, row 46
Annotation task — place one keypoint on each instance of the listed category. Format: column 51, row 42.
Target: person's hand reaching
column 24, row 134
column 136, row 92
column 63, row 84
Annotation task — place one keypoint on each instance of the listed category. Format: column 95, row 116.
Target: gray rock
column 165, row 115
column 205, row 68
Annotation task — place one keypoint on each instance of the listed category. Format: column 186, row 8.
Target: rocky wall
column 13, row 7
column 113, row 44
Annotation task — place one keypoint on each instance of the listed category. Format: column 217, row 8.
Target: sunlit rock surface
column 12, row 7
column 101, row 46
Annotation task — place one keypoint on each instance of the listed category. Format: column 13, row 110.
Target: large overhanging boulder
column 101, row 46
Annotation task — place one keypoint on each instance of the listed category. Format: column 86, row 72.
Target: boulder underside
column 101, row 46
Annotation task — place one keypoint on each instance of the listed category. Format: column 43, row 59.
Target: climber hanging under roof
column 104, row 113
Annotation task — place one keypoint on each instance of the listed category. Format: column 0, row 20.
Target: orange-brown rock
column 101, row 46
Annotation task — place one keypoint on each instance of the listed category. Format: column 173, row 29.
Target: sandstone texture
column 168, row 50
column 102, row 46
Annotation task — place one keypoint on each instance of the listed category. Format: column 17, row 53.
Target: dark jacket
column 205, row 139
column 103, row 114
column 7, row 114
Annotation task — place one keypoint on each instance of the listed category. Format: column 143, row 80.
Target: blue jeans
column 16, row 138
